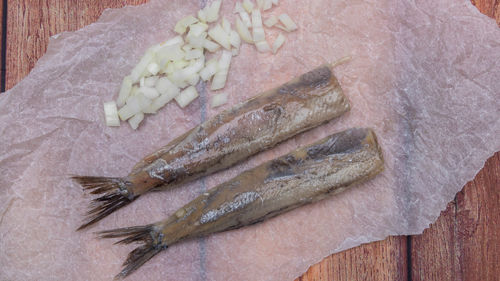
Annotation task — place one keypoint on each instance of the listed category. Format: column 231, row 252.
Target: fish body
column 303, row 176
column 226, row 139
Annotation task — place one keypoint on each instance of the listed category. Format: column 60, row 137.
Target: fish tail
column 113, row 194
column 147, row 235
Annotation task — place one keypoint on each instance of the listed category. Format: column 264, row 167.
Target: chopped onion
column 260, row 4
column 141, row 82
column 186, row 96
column 245, row 17
column 174, row 41
column 164, row 86
column 131, row 108
column 268, row 4
column 143, row 101
column 225, row 60
column 162, row 100
column 111, row 114
column 170, row 53
column 142, row 66
column 202, row 15
column 194, row 54
column 193, row 79
column 218, row 100
column 248, row 6
column 262, row 46
column 136, row 120
column 153, row 68
column 197, row 29
column 179, row 64
column 197, row 41
column 226, row 25
column 212, row 11
column 272, row 20
column 243, row 31
column 210, row 45
column 181, row 26
column 235, row 39
column 150, row 93
column 238, row 8
column 178, row 78
column 209, row 70
column 287, row 22
column 278, row 42
column 125, row 90
column 150, row 81
column 193, row 69
column 218, row 34
column 256, row 19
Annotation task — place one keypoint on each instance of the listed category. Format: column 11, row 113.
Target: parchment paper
column 425, row 76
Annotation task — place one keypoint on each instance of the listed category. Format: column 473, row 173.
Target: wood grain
column 464, row 243
column 382, row 260
column 30, row 23
column 460, row 245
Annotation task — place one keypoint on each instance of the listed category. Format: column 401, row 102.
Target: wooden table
column 463, row 244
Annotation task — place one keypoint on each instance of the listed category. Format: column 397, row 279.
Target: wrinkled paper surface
column 425, row 75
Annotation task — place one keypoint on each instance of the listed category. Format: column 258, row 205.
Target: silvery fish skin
column 301, row 177
column 226, row 139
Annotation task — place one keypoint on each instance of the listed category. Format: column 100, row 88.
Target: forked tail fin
column 151, row 245
column 113, row 195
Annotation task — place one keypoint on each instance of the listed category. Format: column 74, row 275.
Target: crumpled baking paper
column 424, row 74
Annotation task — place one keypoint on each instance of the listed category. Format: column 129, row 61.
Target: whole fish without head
column 303, row 176
column 226, row 139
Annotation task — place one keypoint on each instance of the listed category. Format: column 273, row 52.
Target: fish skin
column 301, row 177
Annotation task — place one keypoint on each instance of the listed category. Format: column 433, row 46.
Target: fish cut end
column 114, row 194
column 146, row 235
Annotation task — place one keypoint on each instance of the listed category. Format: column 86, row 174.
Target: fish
column 303, row 176
column 230, row 137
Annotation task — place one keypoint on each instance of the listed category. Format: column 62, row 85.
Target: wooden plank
column 30, row 24
column 382, row 260
column 464, row 243
column 2, row 55
column 491, row 8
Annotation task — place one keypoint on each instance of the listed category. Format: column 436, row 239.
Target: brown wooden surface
column 463, row 244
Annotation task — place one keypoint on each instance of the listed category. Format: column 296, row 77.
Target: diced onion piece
column 181, row 26
column 235, row 51
column 225, row 60
column 226, row 25
column 238, row 8
column 194, row 54
column 178, row 79
column 197, row 41
column 272, row 20
column 248, row 6
column 193, row 69
column 111, row 114
column 170, row 68
column 193, row 79
column 141, row 67
column 210, row 45
column 256, row 19
column 187, row 47
column 287, row 22
column 235, row 39
column 162, row 100
column 197, row 29
column 263, row 46
column 186, row 96
column 141, row 82
column 260, row 4
column 125, row 90
column 243, row 31
column 212, row 11
column 170, row 53
column 134, row 91
column 144, row 102
column 136, row 120
column 218, row 34
column 150, row 93
column 268, row 4
column 218, row 100
column 245, row 18
column 170, row 42
column 202, row 15
column 209, row 70
column 278, row 42
column 179, row 64
column 131, row 108
column 153, row 68
column 258, row 34
column 150, row 81
column 164, row 85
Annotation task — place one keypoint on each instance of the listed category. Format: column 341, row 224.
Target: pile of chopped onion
column 171, row 70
